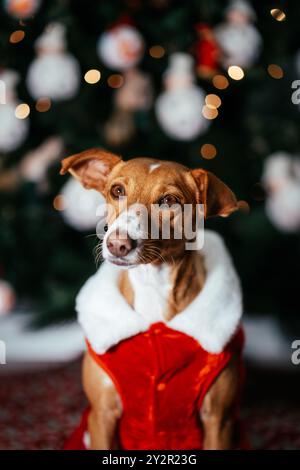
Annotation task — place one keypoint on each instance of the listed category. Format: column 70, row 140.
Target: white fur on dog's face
column 130, row 222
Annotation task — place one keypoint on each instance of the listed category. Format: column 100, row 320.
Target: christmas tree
column 106, row 74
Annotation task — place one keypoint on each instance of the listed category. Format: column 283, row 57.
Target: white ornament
column 22, row 9
column 80, row 205
column 54, row 74
column 35, row 163
column 7, row 298
column 13, row 131
column 238, row 39
column 121, row 47
column 281, row 177
column 283, row 208
column 277, row 171
column 179, row 108
column 136, row 93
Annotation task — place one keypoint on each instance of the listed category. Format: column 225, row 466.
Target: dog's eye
column 117, row 191
column 168, row 200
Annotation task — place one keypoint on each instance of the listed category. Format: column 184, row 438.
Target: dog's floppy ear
column 90, row 167
column 217, row 198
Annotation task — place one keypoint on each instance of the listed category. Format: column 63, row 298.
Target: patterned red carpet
column 39, row 410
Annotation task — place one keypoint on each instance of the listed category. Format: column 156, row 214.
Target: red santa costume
column 161, row 370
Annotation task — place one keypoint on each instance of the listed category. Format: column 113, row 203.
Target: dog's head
column 149, row 203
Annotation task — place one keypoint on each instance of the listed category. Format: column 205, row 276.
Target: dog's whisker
column 98, row 253
column 91, row 235
column 154, row 251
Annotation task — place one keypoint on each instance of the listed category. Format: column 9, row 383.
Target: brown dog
column 149, row 181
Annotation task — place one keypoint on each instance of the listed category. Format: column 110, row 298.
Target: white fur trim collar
column 212, row 317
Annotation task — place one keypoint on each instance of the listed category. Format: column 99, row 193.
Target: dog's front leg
column 105, row 404
column 216, row 412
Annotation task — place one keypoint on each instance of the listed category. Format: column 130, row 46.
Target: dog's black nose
column 120, row 244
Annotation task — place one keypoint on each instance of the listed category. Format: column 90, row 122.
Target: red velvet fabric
column 162, row 376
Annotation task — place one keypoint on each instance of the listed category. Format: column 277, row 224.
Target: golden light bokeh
column 275, row 71
column 244, row 207
column 43, row 104
column 92, row 76
column 235, row 72
column 278, row 14
column 213, row 101
column 220, row 82
column 209, row 113
column 17, row 36
column 22, row 111
column 115, row 81
column 59, row 203
column 157, row 52
column 208, row 151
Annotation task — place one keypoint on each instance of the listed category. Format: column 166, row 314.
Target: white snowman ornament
column 281, row 178
column 55, row 73
column 179, row 108
column 238, row 39
column 81, row 205
column 13, row 131
column 121, row 47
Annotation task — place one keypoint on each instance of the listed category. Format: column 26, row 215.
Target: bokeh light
column 115, row 81
column 235, row 72
column 244, row 207
column 17, row 36
column 59, row 203
column 92, row 76
column 275, row 71
column 22, row 111
column 157, row 52
column 213, row 101
column 220, row 82
column 43, row 104
column 209, row 113
column 278, row 14
column 208, row 151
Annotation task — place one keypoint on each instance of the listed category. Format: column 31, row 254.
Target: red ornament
column 207, row 51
